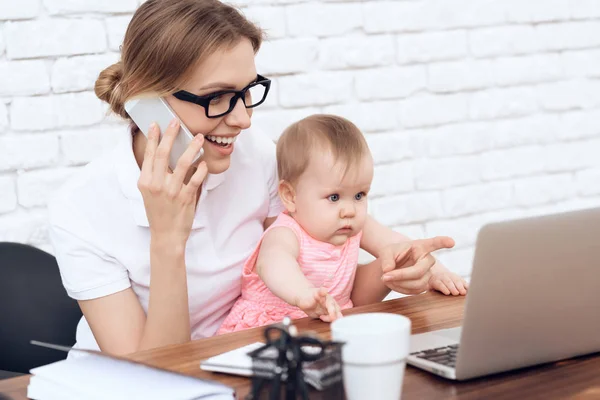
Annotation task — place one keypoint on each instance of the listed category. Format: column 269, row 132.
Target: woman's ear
column 287, row 194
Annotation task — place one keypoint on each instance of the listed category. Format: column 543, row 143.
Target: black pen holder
column 294, row 367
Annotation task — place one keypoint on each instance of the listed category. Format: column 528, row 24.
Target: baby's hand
column 447, row 282
column 318, row 303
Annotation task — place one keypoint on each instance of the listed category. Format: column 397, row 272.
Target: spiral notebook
column 101, row 376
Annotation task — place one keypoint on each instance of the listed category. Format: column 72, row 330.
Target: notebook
column 238, row 362
column 100, row 376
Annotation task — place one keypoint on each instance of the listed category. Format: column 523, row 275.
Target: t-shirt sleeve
column 86, row 271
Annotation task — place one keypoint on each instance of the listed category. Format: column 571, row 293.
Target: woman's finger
column 190, row 189
column 410, row 273
column 440, row 286
column 435, row 243
column 150, row 152
column 185, row 162
column 450, row 285
column 460, row 285
column 163, row 151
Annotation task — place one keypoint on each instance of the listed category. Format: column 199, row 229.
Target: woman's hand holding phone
column 170, row 202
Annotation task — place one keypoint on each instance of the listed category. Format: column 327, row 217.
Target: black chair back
column 33, row 306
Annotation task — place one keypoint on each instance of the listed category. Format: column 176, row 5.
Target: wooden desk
column 574, row 379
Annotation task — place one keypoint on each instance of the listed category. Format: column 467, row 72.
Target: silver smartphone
column 146, row 110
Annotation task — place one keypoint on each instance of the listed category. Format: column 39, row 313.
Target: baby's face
column 331, row 203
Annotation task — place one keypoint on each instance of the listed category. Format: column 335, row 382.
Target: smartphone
column 144, row 111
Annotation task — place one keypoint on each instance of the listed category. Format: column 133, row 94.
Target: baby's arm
column 278, row 267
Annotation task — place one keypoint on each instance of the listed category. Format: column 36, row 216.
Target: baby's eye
column 359, row 196
column 334, row 197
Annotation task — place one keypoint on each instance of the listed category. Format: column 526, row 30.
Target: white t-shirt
column 101, row 239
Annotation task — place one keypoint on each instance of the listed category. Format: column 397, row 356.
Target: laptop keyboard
column 441, row 355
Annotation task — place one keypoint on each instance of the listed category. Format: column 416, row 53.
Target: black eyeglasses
column 221, row 103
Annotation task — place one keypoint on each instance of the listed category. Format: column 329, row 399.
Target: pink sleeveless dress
column 323, row 264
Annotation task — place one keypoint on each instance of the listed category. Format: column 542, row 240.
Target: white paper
column 100, row 377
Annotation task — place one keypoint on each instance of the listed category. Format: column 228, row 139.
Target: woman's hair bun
column 108, row 88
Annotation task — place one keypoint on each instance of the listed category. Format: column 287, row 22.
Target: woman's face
column 225, row 69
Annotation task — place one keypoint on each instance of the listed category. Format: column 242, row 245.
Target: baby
column 306, row 261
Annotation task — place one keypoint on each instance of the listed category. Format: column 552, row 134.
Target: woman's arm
column 118, row 321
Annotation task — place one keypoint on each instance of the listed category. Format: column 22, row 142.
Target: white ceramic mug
column 374, row 354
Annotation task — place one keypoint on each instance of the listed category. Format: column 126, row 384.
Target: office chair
column 33, row 306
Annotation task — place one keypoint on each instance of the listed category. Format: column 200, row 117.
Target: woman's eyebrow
column 222, row 85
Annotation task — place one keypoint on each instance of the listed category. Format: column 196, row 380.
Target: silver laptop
column 534, row 297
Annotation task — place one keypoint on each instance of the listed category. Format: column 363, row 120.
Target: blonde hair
column 320, row 131
column 165, row 41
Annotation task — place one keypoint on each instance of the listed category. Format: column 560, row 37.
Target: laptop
column 534, row 297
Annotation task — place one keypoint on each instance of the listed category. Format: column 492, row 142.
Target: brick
column 34, row 188
column 537, row 11
column 535, row 129
column 456, row 76
column 509, row 163
column 392, row 179
column 116, row 27
column 323, row 19
column 581, row 63
column 396, row 16
column 24, row 227
column 431, row 46
column 465, row 13
column 315, row 89
column 571, row 156
column 414, row 231
column 25, row 9
column 42, row 151
column 585, row 9
column 274, row 122
column 61, row 7
column 54, row 37
column 477, row 198
column 579, row 124
column 356, row 51
column 40, row 113
column 389, row 147
column 270, row 19
column 375, row 84
column 528, row 69
column 588, row 182
column 82, row 146
column 79, row 73
column 566, row 95
column 300, row 55
column 569, row 35
column 505, row 40
column 453, row 139
column 447, row 172
column 23, row 78
column 389, row 16
column 505, row 102
column 406, row 209
column 544, row 189
column 3, row 117
column 464, row 230
column 8, row 199
column 459, row 261
column 427, row 110
column 368, row 116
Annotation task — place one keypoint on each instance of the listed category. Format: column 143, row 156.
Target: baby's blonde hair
column 320, row 131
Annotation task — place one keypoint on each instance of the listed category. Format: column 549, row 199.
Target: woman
column 154, row 256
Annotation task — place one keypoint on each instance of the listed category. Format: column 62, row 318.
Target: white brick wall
column 475, row 110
